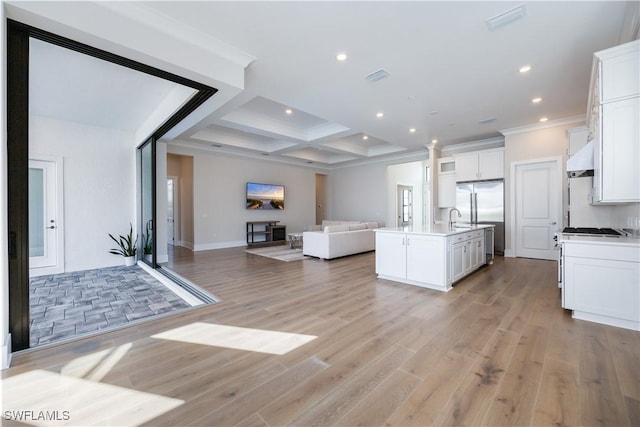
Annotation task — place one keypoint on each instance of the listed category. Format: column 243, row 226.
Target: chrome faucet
column 451, row 221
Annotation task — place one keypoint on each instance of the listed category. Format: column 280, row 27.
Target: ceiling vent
column 507, row 17
column 377, row 75
column 488, row 120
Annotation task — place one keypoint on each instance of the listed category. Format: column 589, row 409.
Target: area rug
column 281, row 253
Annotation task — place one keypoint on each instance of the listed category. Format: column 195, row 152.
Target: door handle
column 51, row 227
column 552, row 223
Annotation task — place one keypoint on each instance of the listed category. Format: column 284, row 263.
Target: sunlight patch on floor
column 42, row 398
column 95, row 366
column 258, row 340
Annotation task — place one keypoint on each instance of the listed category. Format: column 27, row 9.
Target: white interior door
column 537, row 203
column 171, row 204
column 45, row 217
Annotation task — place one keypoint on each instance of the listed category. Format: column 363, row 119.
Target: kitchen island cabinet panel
column 391, row 254
column 426, row 259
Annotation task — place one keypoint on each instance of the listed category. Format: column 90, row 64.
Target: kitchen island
column 432, row 256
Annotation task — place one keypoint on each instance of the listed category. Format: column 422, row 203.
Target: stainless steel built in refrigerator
column 483, row 203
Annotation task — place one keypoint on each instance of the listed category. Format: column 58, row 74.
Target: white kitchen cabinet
column 391, row 254
column 446, row 182
column 601, row 283
column 426, row 259
column 480, row 165
column 467, row 253
column 418, row 259
column 458, row 261
column 614, row 124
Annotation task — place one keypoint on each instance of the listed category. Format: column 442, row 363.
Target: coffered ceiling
column 446, row 74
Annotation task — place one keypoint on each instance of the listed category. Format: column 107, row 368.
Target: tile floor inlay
column 70, row 304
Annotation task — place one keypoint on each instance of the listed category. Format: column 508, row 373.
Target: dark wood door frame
column 18, row 36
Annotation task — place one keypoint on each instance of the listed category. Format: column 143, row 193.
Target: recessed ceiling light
column 536, row 100
column 341, row 57
column 434, row 141
column 543, row 119
column 288, row 111
column 380, row 114
column 525, row 69
column 365, row 137
column 412, row 130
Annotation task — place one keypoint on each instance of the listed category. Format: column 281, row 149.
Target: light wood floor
column 496, row 350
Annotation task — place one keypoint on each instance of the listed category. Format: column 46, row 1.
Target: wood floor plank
column 469, row 403
column 625, row 350
column 334, row 406
column 432, row 394
column 514, row 400
column 378, row 405
column 558, row 401
column 259, row 397
column 343, row 365
column 601, row 399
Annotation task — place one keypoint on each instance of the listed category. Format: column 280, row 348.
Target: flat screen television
column 265, row 196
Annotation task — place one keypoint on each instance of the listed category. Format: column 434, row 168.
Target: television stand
column 264, row 233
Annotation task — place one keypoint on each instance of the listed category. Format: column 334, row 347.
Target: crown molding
column 481, row 144
column 545, row 125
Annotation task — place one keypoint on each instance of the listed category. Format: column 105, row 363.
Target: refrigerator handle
column 471, row 207
column 475, row 207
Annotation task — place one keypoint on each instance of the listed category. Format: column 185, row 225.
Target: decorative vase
column 129, row 260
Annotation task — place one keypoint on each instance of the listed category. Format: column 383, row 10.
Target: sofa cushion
column 336, row 228
column 372, row 225
column 354, row 227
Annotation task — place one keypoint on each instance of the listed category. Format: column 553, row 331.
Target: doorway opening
column 405, row 205
column 50, row 114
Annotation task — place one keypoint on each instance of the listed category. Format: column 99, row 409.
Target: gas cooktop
column 591, row 231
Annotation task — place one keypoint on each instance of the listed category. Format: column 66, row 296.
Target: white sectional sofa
column 339, row 238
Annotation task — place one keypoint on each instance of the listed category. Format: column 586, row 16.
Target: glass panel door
column 147, row 203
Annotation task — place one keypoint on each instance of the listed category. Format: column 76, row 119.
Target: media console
column 265, row 233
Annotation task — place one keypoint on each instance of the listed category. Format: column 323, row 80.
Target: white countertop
column 599, row 240
column 434, row 229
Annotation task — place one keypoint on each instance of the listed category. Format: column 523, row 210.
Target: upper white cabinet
column 614, row 124
column 446, row 182
column 480, row 165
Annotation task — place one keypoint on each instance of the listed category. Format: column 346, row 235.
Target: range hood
column 581, row 163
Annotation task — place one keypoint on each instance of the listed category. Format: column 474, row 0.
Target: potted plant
column 147, row 242
column 127, row 247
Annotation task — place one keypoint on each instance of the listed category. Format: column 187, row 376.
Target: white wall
column 411, row 174
column 532, row 144
column 5, row 344
column 358, row 193
column 99, row 194
column 220, row 182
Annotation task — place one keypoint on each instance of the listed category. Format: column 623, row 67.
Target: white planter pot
column 129, row 261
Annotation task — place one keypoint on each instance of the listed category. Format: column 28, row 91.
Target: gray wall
column 219, row 213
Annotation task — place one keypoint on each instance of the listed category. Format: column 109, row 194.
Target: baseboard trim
column 5, row 361
column 508, row 253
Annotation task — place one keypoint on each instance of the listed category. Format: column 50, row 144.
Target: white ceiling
column 447, row 72
column 68, row 85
